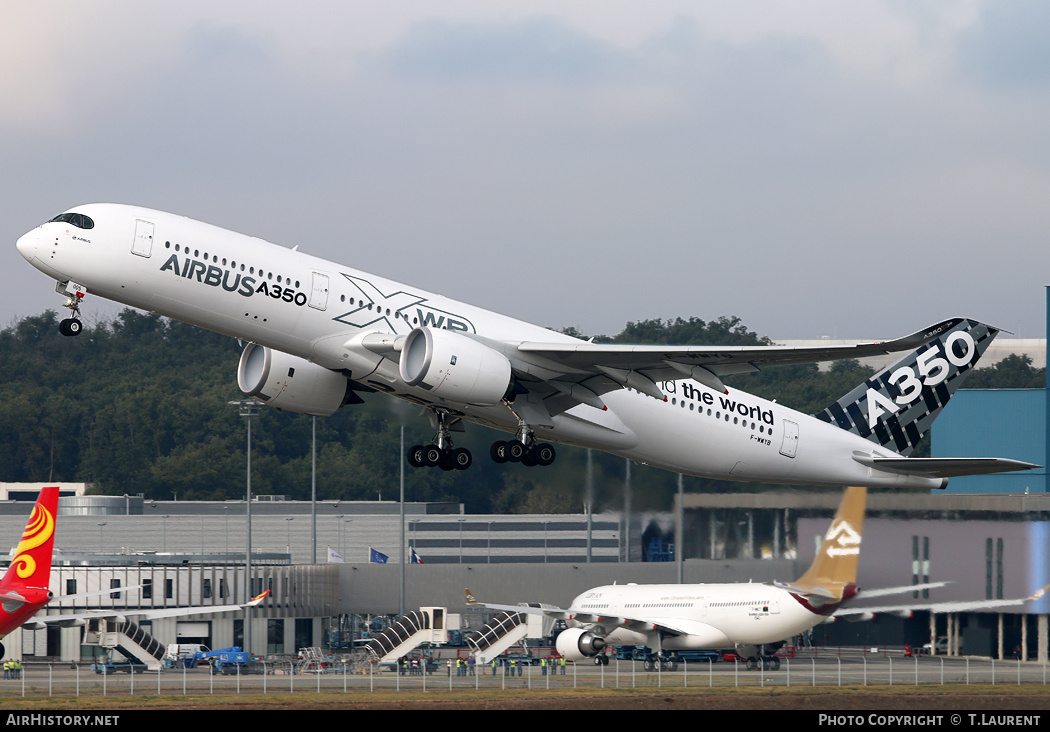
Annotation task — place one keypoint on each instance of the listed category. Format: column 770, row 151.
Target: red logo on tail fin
column 33, row 553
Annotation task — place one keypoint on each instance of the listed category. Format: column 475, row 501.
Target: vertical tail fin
column 896, row 407
column 834, row 570
column 31, row 566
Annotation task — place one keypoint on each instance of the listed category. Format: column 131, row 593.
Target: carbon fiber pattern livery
column 891, row 410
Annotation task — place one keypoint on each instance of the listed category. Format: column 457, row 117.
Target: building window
column 113, row 585
column 147, row 589
column 71, row 587
column 275, row 635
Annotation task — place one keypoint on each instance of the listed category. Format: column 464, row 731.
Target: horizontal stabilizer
column 944, row 467
column 952, row 606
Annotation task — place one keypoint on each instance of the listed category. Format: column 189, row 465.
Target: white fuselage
column 712, row 615
column 310, row 307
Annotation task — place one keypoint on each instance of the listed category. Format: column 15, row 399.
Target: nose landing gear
column 71, row 326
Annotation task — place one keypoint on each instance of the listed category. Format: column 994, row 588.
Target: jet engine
column 454, row 367
column 291, row 383
column 576, row 644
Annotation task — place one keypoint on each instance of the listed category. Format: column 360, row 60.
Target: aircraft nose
column 27, row 245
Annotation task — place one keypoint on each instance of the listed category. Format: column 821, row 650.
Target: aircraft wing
column 529, row 609
column 952, row 606
column 944, row 467
column 586, row 356
column 583, row 371
column 169, row 612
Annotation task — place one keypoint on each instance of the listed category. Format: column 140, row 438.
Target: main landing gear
column 660, row 662
column 766, row 663
column 440, row 453
column 524, row 449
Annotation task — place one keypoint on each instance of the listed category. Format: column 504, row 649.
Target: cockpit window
column 79, row 220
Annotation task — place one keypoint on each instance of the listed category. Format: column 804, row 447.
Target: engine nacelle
column 290, row 383
column 454, row 367
column 576, row 644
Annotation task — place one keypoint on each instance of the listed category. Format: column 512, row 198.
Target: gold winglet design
column 470, row 597
column 1039, row 593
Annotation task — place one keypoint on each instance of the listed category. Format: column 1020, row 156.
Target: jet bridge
column 128, row 638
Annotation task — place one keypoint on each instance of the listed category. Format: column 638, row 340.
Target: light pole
column 590, row 503
column 164, row 522
column 679, row 538
column 401, row 528
column 248, row 408
column 288, row 523
column 313, row 490
column 101, row 524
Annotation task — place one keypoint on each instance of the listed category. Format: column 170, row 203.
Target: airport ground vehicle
column 105, row 665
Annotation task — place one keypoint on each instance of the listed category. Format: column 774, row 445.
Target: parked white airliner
column 317, row 331
column 753, row 618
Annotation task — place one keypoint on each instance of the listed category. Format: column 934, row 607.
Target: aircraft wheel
column 752, row 663
column 529, row 459
column 462, row 459
column 776, row 663
column 70, row 327
column 432, row 455
column 498, row 452
column 649, row 665
column 416, row 456
column 544, row 454
column 516, row 450
column 445, row 463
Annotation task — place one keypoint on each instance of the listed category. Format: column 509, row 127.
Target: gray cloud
column 813, row 177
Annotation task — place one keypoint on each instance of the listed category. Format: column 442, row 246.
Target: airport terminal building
column 182, row 554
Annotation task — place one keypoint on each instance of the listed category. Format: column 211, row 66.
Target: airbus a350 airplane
column 316, row 331
column 24, row 588
column 753, row 618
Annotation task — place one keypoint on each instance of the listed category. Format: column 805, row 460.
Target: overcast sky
column 849, row 169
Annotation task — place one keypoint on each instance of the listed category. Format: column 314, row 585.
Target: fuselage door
column 319, row 291
column 143, row 243
column 790, row 445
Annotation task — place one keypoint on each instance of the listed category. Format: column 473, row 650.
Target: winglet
column 471, row 600
column 1038, row 593
column 257, row 599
